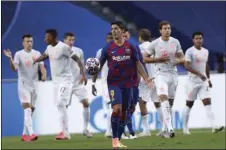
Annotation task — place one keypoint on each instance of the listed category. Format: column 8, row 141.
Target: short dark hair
column 119, row 24
column 109, row 33
column 126, row 29
column 196, row 33
column 52, row 32
column 26, row 36
column 145, row 34
column 67, row 34
column 162, row 23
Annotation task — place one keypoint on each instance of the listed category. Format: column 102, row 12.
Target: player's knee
column 26, row 105
column 207, row 101
column 85, row 103
column 189, row 103
column 163, row 98
column 123, row 115
column 157, row 104
column 117, row 109
column 32, row 109
column 132, row 108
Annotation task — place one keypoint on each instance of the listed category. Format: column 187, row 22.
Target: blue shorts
column 135, row 96
column 120, row 95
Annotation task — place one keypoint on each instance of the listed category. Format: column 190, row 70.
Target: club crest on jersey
column 112, row 93
column 127, row 50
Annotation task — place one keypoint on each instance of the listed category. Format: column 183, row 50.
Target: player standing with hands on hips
column 123, row 64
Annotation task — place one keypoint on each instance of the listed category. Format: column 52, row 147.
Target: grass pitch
column 199, row 139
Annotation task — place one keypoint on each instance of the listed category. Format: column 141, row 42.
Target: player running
column 27, row 81
column 60, row 56
column 78, row 90
column 198, row 82
column 123, row 64
column 167, row 54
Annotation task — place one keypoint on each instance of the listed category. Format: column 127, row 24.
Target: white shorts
column 62, row 93
column 105, row 93
column 194, row 89
column 80, row 91
column 27, row 93
column 148, row 93
column 166, row 84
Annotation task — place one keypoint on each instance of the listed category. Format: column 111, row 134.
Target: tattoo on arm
column 76, row 58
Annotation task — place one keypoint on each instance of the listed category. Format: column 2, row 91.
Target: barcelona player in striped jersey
column 124, row 65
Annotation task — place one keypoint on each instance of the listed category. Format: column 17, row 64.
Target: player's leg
column 33, row 101
column 115, row 95
column 62, row 94
column 132, row 107
column 191, row 90
column 82, row 94
column 126, row 100
column 162, row 90
column 204, row 94
column 144, row 94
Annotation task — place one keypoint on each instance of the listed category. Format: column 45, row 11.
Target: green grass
column 201, row 138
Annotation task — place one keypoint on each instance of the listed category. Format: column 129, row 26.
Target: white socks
column 166, row 114
column 63, row 118
column 186, row 114
column 145, row 123
column 210, row 115
column 28, row 121
column 159, row 110
column 85, row 117
column 109, row 112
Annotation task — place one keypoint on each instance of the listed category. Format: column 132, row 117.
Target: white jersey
column 59, row 57
column 74, row 66
column 150, row 66
column 104, row 71
column 159, row 48
column 27, row 72
column 198, row 59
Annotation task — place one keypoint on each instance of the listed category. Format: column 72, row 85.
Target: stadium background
column 90, row 21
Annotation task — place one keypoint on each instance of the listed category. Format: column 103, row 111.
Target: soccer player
column 126, row 34
column 105, row 94
column 123, row 64
column 198, row 82
column 78, row 90
column 167, row 54
column 60, row 56
column 27, row 81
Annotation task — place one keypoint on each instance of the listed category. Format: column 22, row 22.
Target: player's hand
column 148, row 82
column 164, row 59
column 7, row 53
column 94, row 90
column 43, row 77
column 83, row 79
column 202, row 77
column 210, row 84
column 177, row 61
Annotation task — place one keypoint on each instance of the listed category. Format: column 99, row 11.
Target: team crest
column 127, row 50
column 112, row 93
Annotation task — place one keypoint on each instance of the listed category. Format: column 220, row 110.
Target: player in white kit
column 198, row 82
column 60, row 56
column 27, row 81
column 146, row 93
column 78, row 90
column 167, row 54
column 104, row 73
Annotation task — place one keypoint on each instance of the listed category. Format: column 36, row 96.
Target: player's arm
column 43, row 71
column 43, row 57
column 80, row 64
column 13, row 64
column 179, row 55
column 187, row 65
column 208, row 75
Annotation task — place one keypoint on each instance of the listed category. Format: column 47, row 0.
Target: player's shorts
column 147, row 94
column 166, row 84
column 27, row 92
column 135, row 96
column 105, row 93
column 62, row 93
column 194, row 89
column 120, row 95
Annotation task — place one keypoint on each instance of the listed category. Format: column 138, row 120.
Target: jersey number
column 62, row 89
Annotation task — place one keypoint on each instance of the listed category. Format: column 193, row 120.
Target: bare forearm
column 12, row 65
column 42, row 58
column 190, row 69
column 141, row 70
column 207, row 71
column 43, row 70
column 75, row 58
column 153, row 60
